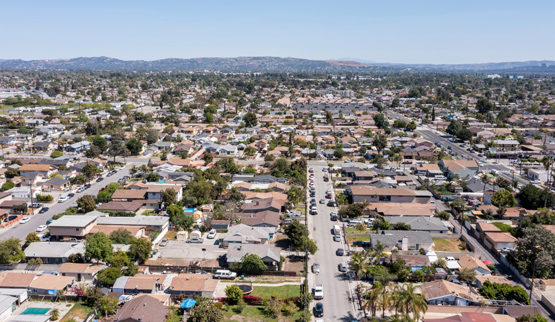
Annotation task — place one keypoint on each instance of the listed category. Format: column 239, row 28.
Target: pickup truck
column 224, row 273
column 319, row 292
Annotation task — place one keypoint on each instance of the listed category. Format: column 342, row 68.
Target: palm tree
column 485, row 180
column 547, row 162
column 467, row 275
column 385, row 278
column 133, row 169
column 413, row 302
column 372, row 298
column 359, row 263
column 377, row 252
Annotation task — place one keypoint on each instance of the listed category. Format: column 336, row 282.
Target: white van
column 225, row 274
column 336, row 229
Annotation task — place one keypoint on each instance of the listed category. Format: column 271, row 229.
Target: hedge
column 257, row 301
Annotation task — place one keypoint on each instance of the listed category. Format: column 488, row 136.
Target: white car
column 42, row 228
column 63, row 199
column 319, row 292
column 211, row 234
column 24, row 220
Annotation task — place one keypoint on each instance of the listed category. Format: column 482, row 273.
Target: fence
column 460, row 309
column 445, row 236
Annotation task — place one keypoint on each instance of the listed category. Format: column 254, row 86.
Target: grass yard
column 253, row 314
column 449, row 245
column 171, row 235
column 4, row 108
column 281, row 292
column 353, row 230
column 352, row 239
column 78, row 311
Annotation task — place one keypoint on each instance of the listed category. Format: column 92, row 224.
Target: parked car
column 35, row 205
column 164, row 242
column 81, row 189
column 322, row 201
column 195, row 240
column 316, row 268
column 63, row 199
column 342, row 267
column 42, row 228
column 340, row 252
column 332, row 203
column 49, row 221
column 319, row 310
column 224, row 273
column 24, row 220
column 70, row 195
column 99, row 179
column 87, row 186
column 319, row 292
column 336, row 238
column 211, row 234
column 43, row 210
column 111, row 173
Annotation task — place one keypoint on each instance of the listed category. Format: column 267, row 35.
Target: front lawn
column 352, row 239
column 281, row 292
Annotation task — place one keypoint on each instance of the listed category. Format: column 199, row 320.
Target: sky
column 395, row 31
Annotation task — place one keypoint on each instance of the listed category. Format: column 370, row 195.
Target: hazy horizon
column 404, row 32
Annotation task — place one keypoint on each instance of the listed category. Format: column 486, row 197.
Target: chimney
column 405, row 243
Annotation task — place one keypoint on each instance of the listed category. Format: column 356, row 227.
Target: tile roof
column 442, row 288
column 16, row 280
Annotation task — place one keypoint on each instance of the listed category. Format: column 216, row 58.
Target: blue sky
column 383, row 31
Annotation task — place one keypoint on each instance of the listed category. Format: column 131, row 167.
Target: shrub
column 219, row 305
column 45, row 198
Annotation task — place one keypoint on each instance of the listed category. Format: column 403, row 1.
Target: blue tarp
column 188, row 303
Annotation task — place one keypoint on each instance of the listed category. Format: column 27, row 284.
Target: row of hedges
column 256, row 301
column 45, row 198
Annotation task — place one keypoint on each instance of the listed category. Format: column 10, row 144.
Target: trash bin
column 242, row 277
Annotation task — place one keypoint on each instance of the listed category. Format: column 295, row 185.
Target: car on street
column 70, row 195
column 99, row 179
column 195, row 240
column 81, row 189
column 342, row 267
column 211, row 234
column 313, row 201
column 316, row 268
column 322, row 201
column 226, row 274
column 337, row 238
column 332, row 203
column 24, row 220
column 164, row 242
column 319, row 310
column 111, row 173
column 35, row 205
column 63, row 199
column 340, row 252
column 42, row 228
column 319, row 292
column 43, row 210
column 87, row 186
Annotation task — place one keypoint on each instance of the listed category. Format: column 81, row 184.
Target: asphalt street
column 337, row 304
column 22, row 230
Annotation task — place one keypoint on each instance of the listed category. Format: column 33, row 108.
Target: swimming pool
column 36, row 311
column 189, row 209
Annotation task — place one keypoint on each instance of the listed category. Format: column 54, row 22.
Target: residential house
column 433, row 225
column 402, row 239
column 8, row 304
column 361, row 193
column 474, row 264
column 142, row 309
column 67, row 227
column 243, row 234
column 55, row 184
column 81, row 272
column 500, row 240
column 258, row 205
column 499, row 279
column 140, row 283
column 48, row 284
column 265, row 218
column 462, row 168
column 30, row 169
column 53, row 253
column 442, row 292
column 78, row 147
column 135, row 231
column 389, row 209
column 193, row 284
column 10, row 280
column 270, row 254
column 151, row 223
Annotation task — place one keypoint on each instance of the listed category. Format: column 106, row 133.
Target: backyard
column 253, row 314
column 280, row 292
column 78, row 311
column 449, row 245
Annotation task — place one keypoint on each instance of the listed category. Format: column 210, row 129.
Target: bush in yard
column 45, row 198
column 252, row 263
column 8, row 185
column 253, row 300
column 108, row 276
column 233, row 293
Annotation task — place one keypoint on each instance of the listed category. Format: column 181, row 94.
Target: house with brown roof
column 128, row 195
column 126, row 206
column 44, row 169
column 361, row 193
column 403, row 209
column 482, row 228
column 463, row 168
column 140, row 283
column 81, row 272
column 142, row 309
column 499, row 279
column 442, row 292
column 265, row 218
column 258, row 205
column 135, row 231
column 193, row 284
column 49, row 284
column 16, row 280
column 500, row 240
column 474, row 264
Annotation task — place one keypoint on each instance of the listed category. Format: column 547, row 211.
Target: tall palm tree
column 377, row 252
column 385, row 278
column 373, row 297
column 413, row 303
column 547, row 163
column 359, row 263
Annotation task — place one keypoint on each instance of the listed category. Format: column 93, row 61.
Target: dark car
column 70, row 195
column 99, row 179
column 332, row 203
column 319, row 310
column 87, row 186
column 43, row 210
column 340, row 252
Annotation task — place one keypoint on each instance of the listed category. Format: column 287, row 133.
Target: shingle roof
column 144, row 309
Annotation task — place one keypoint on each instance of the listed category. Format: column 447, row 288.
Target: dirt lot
column 449, row 245
column 294, row 263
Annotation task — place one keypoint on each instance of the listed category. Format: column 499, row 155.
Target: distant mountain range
column 273, row 64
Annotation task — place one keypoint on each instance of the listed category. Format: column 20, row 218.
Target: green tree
column 56, row 154
column 503, row 198
column 401, row 226
column 295, row 195
column 169, row 197
column 252, row 263
column 99, row 247
column 8, row 185
column 380, row 142
column 352, row 211
column 140, row 249
column 531, row 318
column 464, row 134
column 134, row 145
column 233, row 293
column 93, row 152
column 121, row 236
column 86, row 203
column 119, row 259
column 108, row 305
column 10, row 251
column 339, row 153
column 250, row 119
column 467, row 275
column 99, row 142
column 205, row 311
column 31, row 238
column 380, row 121
column 454, row 127
column 108, row 276
column 532, row 197
column 90, row 170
